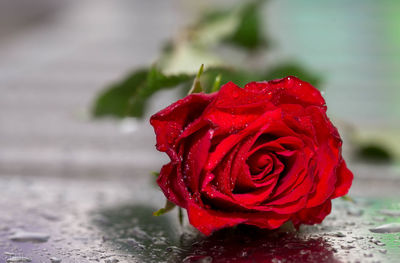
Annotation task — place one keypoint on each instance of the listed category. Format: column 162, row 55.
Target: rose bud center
column 260, row 161
column 263, row 163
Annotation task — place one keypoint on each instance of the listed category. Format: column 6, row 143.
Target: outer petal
column 173, row 189
column 313, row 215
column 289, row 90
column 328, row 156
column 208, row 221
column 344, row 180
column 235, row 108
column 170, row 122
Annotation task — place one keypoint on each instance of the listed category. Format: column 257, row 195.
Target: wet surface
column 110, row 220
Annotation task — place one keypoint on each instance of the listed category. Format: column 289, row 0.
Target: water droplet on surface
column 50, row 216
column 197, row 259
column 132, row 242
column 379, row 243
column 18, row 259
column 355, row 211
column 347, row 247
column 22, row 236
column 392, row 213
column 339, row 234
column 159, row 240
column 379, row 218
column 383, row 251
column 55, row 260
column 387, row 228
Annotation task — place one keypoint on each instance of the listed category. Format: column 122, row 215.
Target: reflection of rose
column 248, row 245
column 262, row 155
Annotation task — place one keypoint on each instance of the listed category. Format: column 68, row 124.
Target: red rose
column 259, row 155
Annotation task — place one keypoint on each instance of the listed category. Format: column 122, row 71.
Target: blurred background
column 55, row 57
column 78, row 163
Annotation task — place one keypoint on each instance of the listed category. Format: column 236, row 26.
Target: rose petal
column 312, row 215
column 224, row 181
column 208, row 221
column 344, row 180
column 260, row 162
column 173, row 189
column 257, row 196
column 235, row 108
column 328, row 157
column 289, row 90
column 226, row 145
column 195, row 157
column 285, row 145
column 170, row 122
column 284, row 209
column 295, row 172
column 240, row 171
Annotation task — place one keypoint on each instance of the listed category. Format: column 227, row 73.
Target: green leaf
column 180, row 216
column 129, row 97
column 168, row 207
column 212, row 16
column 156, row 81
column 237, row 76
column 114, row 101
column 155, row 174
column 374, row 153
column 249, row 33
column 214, row 27
column 348, row 198
column 217, row 83
column 196, row 87
column 293, row 69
